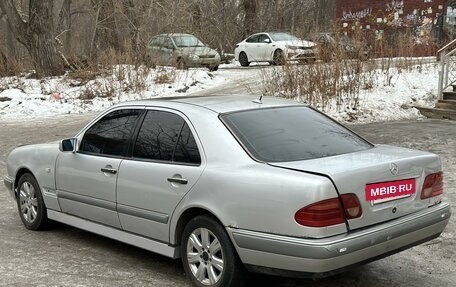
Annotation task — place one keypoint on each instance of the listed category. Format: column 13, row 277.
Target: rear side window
column 165, row 136
column 186, row 149
column 111, row 134
column 291, row 134
column 157, row 42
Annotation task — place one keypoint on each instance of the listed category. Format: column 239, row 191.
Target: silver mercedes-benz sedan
column 231, row 184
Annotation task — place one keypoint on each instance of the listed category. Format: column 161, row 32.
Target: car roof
column 270, row 32
column 215, row 103
column 174, row 34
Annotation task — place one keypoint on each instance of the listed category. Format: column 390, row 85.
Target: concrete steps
column 449, row 95
column 446, row 104
column 444, row 109
column 438, row 113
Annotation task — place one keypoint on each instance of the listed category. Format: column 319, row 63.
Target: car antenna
column 258, row 101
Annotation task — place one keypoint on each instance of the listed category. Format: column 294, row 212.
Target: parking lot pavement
column 65, row 256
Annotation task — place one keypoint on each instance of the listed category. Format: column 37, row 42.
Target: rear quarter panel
column 261, row 198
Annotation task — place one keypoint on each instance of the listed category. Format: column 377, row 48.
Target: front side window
column 253, row 39
column 291, row 134
column 165, row 136
column 168, row 44
column 263, row 39
column 111, row 134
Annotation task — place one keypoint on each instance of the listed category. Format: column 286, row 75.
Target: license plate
column 391, row 190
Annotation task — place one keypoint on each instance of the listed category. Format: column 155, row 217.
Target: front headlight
column 292, row 47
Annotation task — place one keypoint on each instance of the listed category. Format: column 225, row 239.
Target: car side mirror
column 267, row 41
column 68, row 145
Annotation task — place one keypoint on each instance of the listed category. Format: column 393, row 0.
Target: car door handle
column 109, row 170
column 178, row 180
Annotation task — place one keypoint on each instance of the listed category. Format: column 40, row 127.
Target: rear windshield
column 291, row 134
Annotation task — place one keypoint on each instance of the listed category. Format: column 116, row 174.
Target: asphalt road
column 65, row 256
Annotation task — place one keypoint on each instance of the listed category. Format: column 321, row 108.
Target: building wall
column 423, row 18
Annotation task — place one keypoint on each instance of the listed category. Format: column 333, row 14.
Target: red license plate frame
column 390, row 190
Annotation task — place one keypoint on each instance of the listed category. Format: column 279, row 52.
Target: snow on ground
column 25, row 99
column 392, row 97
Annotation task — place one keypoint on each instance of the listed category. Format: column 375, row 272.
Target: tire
column 243, row 60
column 310, row 60
column 279, row 57
column 198, row 256
column 330, row 57
column 180, row 64
column 213, row 68
column 30, row 203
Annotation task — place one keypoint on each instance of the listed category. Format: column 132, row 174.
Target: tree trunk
column 250, row 10
column 325, row 13
column 37, row 35
column 129, row 10
column 106, row 30
column 42, row 45
column 64, row 26
column 45, row 58
column 197, row 19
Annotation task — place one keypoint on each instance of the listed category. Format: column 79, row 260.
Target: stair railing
column 447, row 73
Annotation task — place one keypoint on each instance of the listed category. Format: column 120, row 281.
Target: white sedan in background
column 275, row 48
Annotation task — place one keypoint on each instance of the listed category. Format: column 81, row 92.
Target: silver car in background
column 183, row 51
column 233, row 183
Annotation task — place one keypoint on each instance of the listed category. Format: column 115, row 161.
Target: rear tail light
column 352, row 206
column 329, row 211
column 433, row 185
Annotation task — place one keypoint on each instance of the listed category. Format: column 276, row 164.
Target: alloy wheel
column 28, row 202
column 205, row 256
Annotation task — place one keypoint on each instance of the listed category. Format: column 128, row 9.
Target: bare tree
column 250, row 10
column 64, row 26
column 37, row 34
column 325, row 13
column 105, row 31
column 129, row 11
column 89, row 28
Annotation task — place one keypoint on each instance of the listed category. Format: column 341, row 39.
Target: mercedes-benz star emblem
column 394, row 169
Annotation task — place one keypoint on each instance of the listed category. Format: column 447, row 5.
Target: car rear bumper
column 321, row 257
column 9, row 183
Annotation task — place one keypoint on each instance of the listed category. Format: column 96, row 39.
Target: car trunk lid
column 364, row 173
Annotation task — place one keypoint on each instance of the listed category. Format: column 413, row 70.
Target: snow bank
column 392, row 96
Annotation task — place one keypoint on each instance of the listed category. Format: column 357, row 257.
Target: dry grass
column 111, row 74
column 10, row 66
column 338, row 82
column 165, row 76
